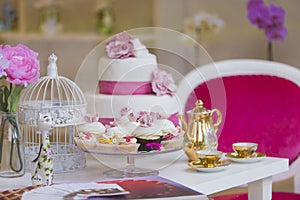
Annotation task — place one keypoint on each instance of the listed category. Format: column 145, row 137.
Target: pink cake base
column 124, row 88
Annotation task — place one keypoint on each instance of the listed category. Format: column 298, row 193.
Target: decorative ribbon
column 173, row 118
column 125, row 88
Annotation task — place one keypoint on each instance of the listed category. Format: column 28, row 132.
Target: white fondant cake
column 129, row 77
column 129, row 69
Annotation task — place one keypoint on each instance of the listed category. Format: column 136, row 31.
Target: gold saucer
column 255, row 157
column 222, row 164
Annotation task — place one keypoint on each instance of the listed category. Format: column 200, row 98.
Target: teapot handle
column 219, row 120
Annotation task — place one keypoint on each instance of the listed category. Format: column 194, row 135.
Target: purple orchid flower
column 270, row 19
column 258, row 14
column 276, row 33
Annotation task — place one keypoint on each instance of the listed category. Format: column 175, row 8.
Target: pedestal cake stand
column 130, row 170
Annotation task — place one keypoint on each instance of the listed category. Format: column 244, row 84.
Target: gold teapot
column 200, row 131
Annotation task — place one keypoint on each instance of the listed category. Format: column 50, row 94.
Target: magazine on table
column 149, row 187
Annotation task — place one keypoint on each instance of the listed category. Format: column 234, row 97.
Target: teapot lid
column 199, row 109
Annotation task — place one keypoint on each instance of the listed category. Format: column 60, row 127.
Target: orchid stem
column 270, row 51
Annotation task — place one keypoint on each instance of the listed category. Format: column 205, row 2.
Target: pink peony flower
column 19, row 67
column 23, row 67
column 163, row 83
column 120, row 46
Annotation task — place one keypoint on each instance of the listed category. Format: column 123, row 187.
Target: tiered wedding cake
column 129, row 77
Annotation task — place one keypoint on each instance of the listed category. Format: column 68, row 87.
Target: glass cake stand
column 130, row 170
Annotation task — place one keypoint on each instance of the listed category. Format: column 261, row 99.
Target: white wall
column 238, row 38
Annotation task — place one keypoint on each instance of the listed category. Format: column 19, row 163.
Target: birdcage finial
column 52, row 58
column 52, row 67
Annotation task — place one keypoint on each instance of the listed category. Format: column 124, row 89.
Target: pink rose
column 163, row 83
column 120, row 46
column 24, row 68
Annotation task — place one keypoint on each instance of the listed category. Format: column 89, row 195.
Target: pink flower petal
column 163, row 83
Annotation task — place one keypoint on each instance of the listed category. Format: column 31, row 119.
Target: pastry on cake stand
column 131, row 135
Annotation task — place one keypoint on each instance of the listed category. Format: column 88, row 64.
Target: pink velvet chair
column 260, row 102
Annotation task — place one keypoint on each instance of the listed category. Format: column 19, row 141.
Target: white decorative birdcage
column 64, row 100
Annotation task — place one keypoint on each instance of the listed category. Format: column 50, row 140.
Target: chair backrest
column 259, row 100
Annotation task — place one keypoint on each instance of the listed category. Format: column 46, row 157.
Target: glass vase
column 11, row 146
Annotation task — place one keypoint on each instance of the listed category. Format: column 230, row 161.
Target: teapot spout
column 184, row 124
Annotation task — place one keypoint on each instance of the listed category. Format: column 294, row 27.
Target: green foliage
column 9, row 97
column 13, row 98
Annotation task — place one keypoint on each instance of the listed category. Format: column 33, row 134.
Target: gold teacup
column 209, row 158
column 244, row 149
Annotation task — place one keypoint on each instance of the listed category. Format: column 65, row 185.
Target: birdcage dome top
column 55, row 94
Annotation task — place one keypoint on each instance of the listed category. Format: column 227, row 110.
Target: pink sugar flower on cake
column 91, row 118
column 163, row 83
column 132, row 117
column 145, row 119
column 157, row 115
column 120, row 46
column 125, row 111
